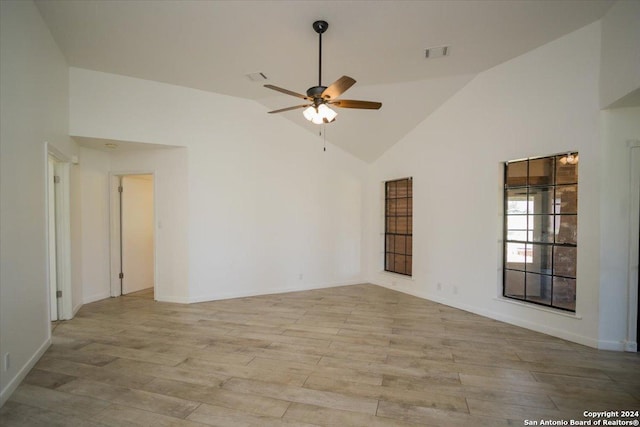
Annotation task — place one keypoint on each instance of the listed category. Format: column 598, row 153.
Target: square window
column 539, row 288
column 514, row 284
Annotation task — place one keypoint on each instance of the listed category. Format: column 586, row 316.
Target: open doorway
column 54, row 292
column 634, row 248
column 58, row 235
column 133, row 266
column 634, row 258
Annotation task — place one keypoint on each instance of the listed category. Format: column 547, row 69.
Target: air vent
column 256, row 77
column 437, row 52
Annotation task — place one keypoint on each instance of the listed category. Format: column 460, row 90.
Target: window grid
column 552, row 282
column 398, row 236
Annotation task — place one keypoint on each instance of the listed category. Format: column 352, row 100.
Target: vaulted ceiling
column 213, row 45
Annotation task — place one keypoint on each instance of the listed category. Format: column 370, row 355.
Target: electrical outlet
column 300, row 276
column 6, row 362
column 455, row 290
column 439, row 286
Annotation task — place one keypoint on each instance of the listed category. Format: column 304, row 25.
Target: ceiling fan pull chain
column 324, row 135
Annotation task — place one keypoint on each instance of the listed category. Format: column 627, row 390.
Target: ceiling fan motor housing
column 315, row 92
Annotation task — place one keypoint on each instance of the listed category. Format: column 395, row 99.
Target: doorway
column 54, row 302
column 135, row 252
column 637, row 256
column 634, row 247
column 57, row 199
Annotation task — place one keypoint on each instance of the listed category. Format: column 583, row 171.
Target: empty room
column 319, row 213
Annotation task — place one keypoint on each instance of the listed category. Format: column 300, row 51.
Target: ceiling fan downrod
column 320, row 27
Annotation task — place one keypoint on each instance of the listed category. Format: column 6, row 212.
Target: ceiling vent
column 256, row 77
column 437, row 52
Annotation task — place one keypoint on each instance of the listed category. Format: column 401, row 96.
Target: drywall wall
column 620, row 60
column 137, row 233
column 33, row 109
column 268, row 210
column 620, row 135
column 170, row 180
column 75, row 211
column 94, row 183
column 541, row 103
column 169, row 167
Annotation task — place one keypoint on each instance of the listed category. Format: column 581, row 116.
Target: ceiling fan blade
column 350, row 103
column 338, row 87
column 287, row 91
column 290, row 108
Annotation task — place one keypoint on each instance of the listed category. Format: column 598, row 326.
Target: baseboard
column 631, row 346
column 76, row 309
column 96, row 297
column 559, row 333
column 256, row 292
column 611, row 345
column 22, row 373
column 172, row 299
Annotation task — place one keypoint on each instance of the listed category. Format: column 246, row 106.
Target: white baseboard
column 256, row 292
column 172, row 299
column 611, row 345
column 13, row 384
column 76, row 309
column 559, row 333
column 96, row 297
column 631, row 346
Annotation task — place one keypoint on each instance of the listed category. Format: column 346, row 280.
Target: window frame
column 408, row 235
column 553, row 247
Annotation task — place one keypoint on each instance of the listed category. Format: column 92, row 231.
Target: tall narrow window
column 398, row 226
column 540, row 230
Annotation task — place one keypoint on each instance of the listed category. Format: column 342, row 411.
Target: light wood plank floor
column 349, row 356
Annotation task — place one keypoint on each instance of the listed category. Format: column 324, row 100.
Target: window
column 398, row 226
column 540, row 230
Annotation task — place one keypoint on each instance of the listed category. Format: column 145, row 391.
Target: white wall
column 268, row 210
column 137, row 233
column 541, row 103
column 620, row 132
column 94, row 183
column 170, row 171
column 620, row 63
column 75, row 212
column 33, row 109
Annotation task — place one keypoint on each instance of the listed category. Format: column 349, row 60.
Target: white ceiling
column 212, row 45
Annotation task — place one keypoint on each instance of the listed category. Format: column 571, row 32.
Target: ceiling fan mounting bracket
column 320, row 26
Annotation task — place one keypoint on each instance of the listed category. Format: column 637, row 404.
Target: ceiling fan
column 320, row 97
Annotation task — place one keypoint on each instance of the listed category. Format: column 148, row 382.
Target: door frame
column 52, row 257
column 633, row 284
column 62, row 230
column 114, row 231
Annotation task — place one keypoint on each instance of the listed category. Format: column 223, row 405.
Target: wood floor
column 349, row 356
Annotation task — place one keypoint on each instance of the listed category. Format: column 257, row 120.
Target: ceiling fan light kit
column 320, row 96
column 320, row 114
